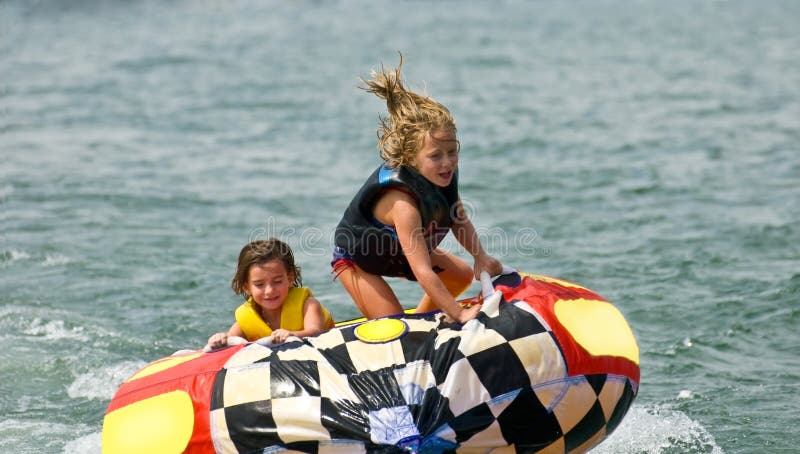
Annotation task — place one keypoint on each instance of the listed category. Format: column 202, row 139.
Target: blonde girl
column 394, row 224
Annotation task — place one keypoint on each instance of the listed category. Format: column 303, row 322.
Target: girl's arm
column 312, row 318
column 312, row 322
column 408, row 224
column 466, row 235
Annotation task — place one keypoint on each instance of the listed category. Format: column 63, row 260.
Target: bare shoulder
column 312, row 306
column 311, row 301
column 392, row 203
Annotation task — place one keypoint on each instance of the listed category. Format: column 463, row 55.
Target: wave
column 36, row 436
column 656, row 429
column 55, row 330
column 12, row 256
column 101, row 384
column 88, row 444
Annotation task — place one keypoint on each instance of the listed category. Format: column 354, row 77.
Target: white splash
column 656, row 430
column 685, row 394
column 56, row 260
column 47, row 434
column 55, row 330
column 16, row 255
column 102, row 383
column 89, row 444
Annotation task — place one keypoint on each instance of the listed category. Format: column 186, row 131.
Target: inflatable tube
column 546, row 366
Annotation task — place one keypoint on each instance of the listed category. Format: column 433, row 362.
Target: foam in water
column 102, row 383
column 685, row 394
column 56, row 260
column 658, row 430
column 14, row 255
column 87, row 444
column 39, row 434
column 55, row 330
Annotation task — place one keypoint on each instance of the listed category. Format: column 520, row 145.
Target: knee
column 458, row 279
column 465, row 271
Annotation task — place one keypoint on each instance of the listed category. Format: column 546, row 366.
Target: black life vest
column 373, row 246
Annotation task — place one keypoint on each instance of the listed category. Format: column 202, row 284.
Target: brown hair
column 259, row 252
column 411, row 116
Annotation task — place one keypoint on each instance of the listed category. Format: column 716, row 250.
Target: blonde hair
column 411, row 117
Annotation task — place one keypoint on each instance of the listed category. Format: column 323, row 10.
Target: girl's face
column 437, row 160
column 268, row 283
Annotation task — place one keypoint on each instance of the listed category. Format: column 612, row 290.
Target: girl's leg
column 456, row 276
column 372, row 295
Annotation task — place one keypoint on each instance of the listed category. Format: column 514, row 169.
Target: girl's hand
column 488, row 263
column 216, row 341
column 280, row 335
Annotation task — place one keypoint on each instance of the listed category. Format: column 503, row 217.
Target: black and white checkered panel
column 571, row 415
column 261, row 400
column 511, row 387
column 387, row 377
column 498, row 381
column 500, row 358
column 333, row 389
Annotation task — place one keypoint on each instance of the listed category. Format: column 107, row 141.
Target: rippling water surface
column 648, row 150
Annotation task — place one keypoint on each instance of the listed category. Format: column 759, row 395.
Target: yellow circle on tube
column 381, row 330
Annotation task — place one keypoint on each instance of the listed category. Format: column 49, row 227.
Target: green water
column 646, row 150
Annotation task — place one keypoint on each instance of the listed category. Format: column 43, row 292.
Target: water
column 648, row 150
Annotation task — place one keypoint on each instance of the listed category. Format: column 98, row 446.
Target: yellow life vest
column 248, row 315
